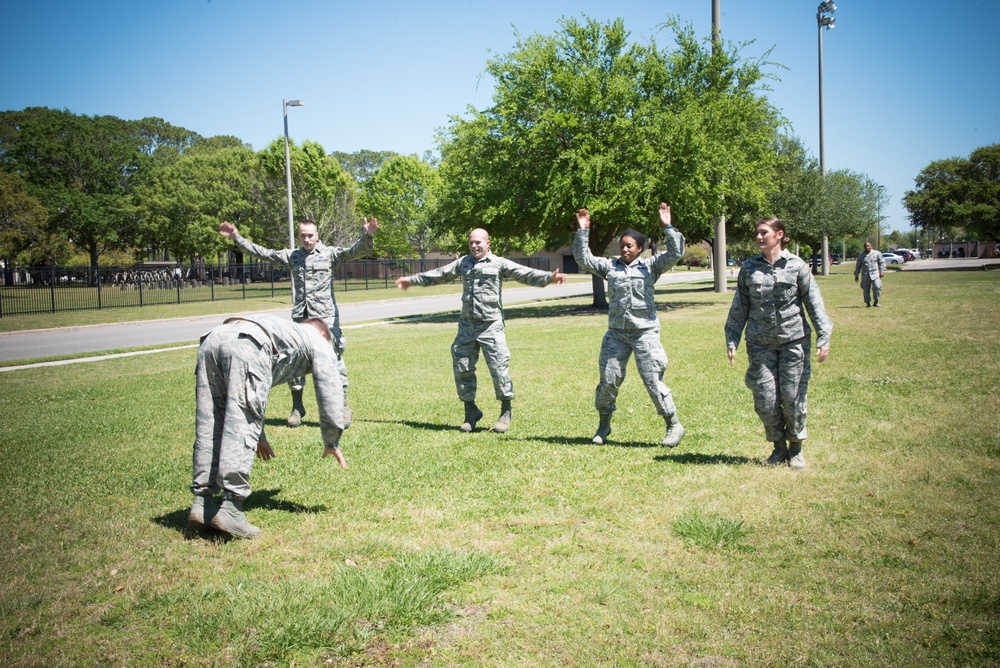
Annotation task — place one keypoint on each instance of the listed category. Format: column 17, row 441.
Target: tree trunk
column 600, row 296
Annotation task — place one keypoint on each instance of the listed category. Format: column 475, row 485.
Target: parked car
column 892, row 258
column 816, row 257
column 916, row 253
column 835, row 259
column 904, row 253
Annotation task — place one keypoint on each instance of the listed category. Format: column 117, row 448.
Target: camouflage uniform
column 633, row 325
column 312, row 285
column 238, row 363
column 871, row 266
column 481, row 323
column 769, row 303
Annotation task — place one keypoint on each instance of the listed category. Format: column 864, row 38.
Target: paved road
column 176, row 331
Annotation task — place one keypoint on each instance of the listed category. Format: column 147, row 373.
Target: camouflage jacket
column 771, row 302
column 482, row 283
column 296, row 350
column 312, row 273
column 871, row 263
column 630, row 286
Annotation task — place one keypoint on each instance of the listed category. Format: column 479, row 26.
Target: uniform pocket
column 258, row 386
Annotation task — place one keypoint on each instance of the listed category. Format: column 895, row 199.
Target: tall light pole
column 285, row 104
column 823, row 20
column 719, row 247
column 878, row 219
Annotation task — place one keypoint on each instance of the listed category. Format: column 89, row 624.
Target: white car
column 892, row 258
column 916, row 253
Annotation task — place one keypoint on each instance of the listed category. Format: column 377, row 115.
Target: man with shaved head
column 480, row 325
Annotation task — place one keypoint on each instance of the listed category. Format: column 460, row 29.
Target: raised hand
column 583, row 218
column 664, row 214
column 227, row 229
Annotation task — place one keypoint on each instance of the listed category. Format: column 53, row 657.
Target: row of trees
column 959, row 198
column 585, row 117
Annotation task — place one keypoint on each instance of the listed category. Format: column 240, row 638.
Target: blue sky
column 905, row 83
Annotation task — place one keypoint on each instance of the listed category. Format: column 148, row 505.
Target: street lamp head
column 827, row 7
column 294, row 103
column 827, row 22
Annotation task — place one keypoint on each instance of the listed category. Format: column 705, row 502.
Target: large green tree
column 399, row 194
column 588, row 118
column 24, row 236
column 322, row 191
column 85, row 169
column 185, row 199
column 959, row 195
column 362, row 164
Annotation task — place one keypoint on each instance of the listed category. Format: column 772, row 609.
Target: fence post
column 366, row 273
column 139, row 272
column 243, row 280
column 100, row 304
column 271, row 265
column 177, row 280
column 211, row 284
column 52, row 286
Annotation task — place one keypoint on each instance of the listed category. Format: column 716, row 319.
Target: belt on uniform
column 274, row 348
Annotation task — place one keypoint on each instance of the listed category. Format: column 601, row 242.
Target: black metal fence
column 49, row 289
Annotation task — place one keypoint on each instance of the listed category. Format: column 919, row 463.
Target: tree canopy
column 322, row 191
column 959, row 195
column 86, row 169
column 399, row 193
column 587, row 118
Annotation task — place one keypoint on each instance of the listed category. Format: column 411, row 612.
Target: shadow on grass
column 430, row 426
column 549, row 309
column 704, row 459
column 264, row 499
column 177, row 521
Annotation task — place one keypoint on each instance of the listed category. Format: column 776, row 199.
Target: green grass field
column 533, row 547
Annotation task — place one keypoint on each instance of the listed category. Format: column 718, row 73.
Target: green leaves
column 400, row 194
column 959, row 194
column 588, row 118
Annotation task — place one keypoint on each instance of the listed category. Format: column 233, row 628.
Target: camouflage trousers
column 779, row 378
column 651, row 360
column 490, row 337
column 871, row 287
column 338, row 342
column 233, row 378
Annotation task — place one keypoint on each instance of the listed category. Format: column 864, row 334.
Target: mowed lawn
column 534, row 547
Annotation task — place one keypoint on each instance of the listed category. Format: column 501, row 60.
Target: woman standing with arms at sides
column 773, row 293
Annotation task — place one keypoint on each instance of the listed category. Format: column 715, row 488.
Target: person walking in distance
column 871, row 267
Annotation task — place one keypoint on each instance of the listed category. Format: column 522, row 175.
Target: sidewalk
column 175, row 332
column 951, row 264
